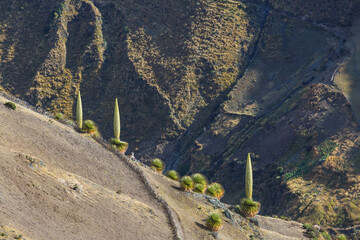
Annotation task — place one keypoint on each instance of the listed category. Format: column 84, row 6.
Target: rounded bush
column 89, row 127
column 119, row 145
column 341, row 237
column 157, row 165
column 172, row 174
column 199, row 178
column 249, row 207
column 215, row 190
column 199, row 188
column 214, row 221
column 59, row 116
column 186, row 183
column 10, row 105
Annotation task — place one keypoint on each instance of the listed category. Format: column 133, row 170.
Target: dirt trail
column 57, row 184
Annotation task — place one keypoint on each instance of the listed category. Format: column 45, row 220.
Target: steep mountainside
column 58, row 184
column 201, row 83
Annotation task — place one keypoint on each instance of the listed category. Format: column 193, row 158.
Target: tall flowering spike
column 116, row 120
column 79, row 113
column 248, row 178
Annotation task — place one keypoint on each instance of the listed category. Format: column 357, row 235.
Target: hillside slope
column 58, row 184
column 200, row 83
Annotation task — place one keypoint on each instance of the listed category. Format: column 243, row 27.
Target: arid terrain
column 58, row 184
column 200, row 84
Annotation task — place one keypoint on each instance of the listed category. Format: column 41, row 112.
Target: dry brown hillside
column 58, row 184
column 201, row 83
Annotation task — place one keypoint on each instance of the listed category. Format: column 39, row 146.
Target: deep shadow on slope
column 25, row 42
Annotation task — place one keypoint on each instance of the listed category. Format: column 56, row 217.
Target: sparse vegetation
column 59, row 116
column 200, row 179
column 215, row 190
column 119, row 145
column 157, row 165
column 248, row 207
column 341, row 237
column 186, row 183
column 90, row 127
column 199, row 188
column 214, row 221
column 172, row 174
column 10, row 105
column 326, row 235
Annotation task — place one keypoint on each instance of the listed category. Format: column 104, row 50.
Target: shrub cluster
column 215, row 190
column 10, row 105
column 157, row 165
column 186, row 183
column 214, row 221
column 172, row 174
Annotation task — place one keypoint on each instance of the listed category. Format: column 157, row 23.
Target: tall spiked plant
column 248, row 178
column 248, row 207
column 115, row 142
column 79, row 112
column 116, row 120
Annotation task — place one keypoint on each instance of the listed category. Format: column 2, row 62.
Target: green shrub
column 214, row 221
column 199, row 188
column 172, row 174
column 199, row 178
column 59, row 116
column 157, row 165
column 186, row 183
column 249, row 208
column 10, row 105
column 308, row 226
column 119, row 145
column 311, row 232
column 215, row 190
column 341, row 237
column 90, row 127
column 326, row 235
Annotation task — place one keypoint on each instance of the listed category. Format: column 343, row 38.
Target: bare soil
column 58, row 184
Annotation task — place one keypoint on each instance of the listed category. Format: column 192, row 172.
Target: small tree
column 79, row 113
column 116, row 120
